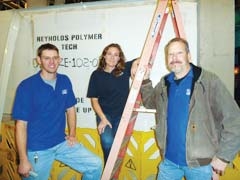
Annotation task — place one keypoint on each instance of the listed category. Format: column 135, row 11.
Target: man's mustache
column 176, row 62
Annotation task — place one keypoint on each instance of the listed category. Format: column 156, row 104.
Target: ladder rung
column 144, row 110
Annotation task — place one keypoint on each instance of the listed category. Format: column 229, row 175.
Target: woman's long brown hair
column 121, row 63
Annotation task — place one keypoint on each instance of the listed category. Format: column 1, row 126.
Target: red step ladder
column 125, row 129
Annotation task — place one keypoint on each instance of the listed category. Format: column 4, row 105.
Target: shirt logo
column 64, row 91
column 121, row 74
column 188, row 92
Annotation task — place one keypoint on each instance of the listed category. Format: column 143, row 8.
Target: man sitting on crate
column 42, row 104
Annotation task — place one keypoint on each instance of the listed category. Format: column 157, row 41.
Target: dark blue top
column 177, row 119
column 111, row 91
column 44, row 110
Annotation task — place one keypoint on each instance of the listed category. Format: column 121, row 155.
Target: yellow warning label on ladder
column 130, row 164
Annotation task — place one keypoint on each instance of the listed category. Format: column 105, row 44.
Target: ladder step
column 144, row 110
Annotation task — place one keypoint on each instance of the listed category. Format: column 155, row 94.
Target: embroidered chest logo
column 64, row 91
column 188, row 92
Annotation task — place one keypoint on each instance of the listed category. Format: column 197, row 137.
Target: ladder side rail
column 156, row 29
column 118, row 149
column 177, row 20
column 113, row 163
column 126, row 140
column 158, row 39
column 118, row 165
column 134, row 91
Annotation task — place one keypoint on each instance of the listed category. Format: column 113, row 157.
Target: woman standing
column 108, row 90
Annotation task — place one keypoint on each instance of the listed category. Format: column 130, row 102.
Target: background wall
column 215, row 36
column 213, row 47
column 80, row 32
column 216, row 21
column 212, row 44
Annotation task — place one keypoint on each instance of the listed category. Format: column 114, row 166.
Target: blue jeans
column 171, row 171
column 77, row 157
column 108, row 136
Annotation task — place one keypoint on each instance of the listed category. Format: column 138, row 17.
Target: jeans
column 77, row 157
column 108, row 136
column 171, row 171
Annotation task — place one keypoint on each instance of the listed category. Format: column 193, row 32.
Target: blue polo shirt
column 179, row 94
column 111, row 91
column 43, row 108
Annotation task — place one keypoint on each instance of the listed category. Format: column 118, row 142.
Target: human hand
column 146, row 69
column 215, row 176
column 134, row 67
column 71, row 140
column 147, row 73
column 24, row 168
column 102, row 125
column 218, row 167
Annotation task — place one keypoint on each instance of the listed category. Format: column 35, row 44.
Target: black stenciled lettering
column 80, row 100
column 69, row 46
column 83, row 109
column 79, row 62
column 52, row 38
column 65, row 62
column 93, row 36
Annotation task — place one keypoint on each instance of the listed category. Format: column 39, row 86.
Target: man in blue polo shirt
column 42, row 104
column 197, row 119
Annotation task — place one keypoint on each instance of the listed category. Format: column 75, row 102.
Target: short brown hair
column 177, row 39
column 46, row 46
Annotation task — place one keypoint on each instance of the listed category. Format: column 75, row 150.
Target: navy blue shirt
column 111, row 91
column 177, row 119
column 43, row 108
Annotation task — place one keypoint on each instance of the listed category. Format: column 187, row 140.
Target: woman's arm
column 98, row 110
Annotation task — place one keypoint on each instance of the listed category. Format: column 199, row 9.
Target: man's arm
column 21, row 141
column 71, row 122
column 227, row 114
